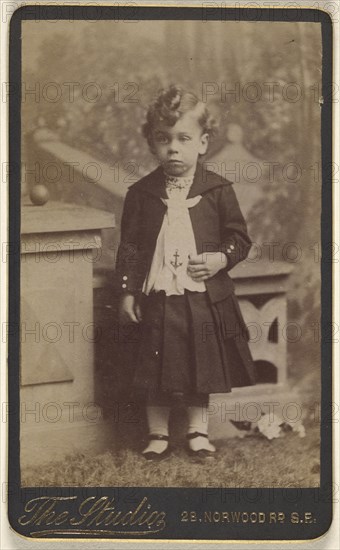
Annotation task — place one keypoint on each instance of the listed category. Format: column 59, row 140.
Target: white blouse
column 175, row 243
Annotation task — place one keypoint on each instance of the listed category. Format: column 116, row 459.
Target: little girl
column 182, row 231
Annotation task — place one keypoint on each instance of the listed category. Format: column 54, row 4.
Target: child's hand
column 129, row 310
column 206, row 265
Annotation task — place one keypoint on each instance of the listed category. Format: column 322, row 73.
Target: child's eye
column 162, row 139
column 185, row 138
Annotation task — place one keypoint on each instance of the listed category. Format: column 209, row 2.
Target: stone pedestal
column 60, row 244
column 261, row 288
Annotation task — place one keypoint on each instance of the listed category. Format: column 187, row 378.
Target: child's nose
column 173, row 147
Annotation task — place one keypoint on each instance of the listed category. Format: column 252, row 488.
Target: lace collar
column 178, row 182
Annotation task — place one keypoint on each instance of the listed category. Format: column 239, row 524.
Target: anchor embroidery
column 176, row 263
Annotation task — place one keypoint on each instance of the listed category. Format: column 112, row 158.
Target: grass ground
column 255, row 461
column 289, row 461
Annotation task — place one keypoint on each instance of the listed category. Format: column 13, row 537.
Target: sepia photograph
column 170, row 328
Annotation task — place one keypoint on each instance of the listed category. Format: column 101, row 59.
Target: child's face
column 177, row 147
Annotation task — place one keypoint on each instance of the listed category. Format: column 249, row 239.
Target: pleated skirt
column 189, row 345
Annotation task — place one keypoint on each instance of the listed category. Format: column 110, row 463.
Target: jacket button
column 232, row 247
column 228, row 250
column 124, row 285
column 124, row 277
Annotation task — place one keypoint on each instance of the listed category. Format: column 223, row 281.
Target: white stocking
column 158, row 422
column 197, row 424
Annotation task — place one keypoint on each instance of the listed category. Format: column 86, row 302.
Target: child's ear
column 204, row 144
column 151, row 146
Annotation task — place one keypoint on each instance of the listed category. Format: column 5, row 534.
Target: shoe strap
column 196, row 434
column 159, row 437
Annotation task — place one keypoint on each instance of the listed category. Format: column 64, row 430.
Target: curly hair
column 172, row 103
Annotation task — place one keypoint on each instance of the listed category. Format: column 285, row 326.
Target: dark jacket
column 217, row 223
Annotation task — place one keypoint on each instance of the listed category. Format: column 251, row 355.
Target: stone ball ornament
column 39, row 195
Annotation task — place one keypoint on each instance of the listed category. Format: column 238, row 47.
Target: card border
column 191, row 12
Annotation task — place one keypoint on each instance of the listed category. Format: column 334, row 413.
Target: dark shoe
column 200, row 453
column 152, row 455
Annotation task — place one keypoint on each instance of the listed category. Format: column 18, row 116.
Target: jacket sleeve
column 128, row 264
column 235, row 241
